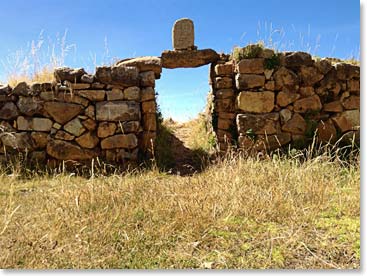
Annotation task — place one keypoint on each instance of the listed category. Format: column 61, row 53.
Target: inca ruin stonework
column 261, row 101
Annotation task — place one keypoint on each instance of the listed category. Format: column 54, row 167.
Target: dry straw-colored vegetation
column 277, row 212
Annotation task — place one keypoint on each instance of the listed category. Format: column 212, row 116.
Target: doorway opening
column 184, row 141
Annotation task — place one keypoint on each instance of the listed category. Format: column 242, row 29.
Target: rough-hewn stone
column 345, row 71
column 224, row 69
column 68, row 74
column 144, row 64
column 285, row 115
column 89, row 124
column 296, row 125
column 326, row 131
column 118, row 111
column 132, row 93
column 257, row 102
column 324, row 66
column 286, row 80
column 63, row 135
column 75, row 127
column 224, row 93
column 127, row 127
column 62, row 112
column 257, row 124
column 92, row 95
column 17, row 140
column 149, row 107
column 297, row 59
column 147, row 79
column 115, row 94
column 40, row 139
column 284, row 99
column 352, row 102
column 334, row 106
column 128, row 141
column 309, row 75
column 188, row 59
column 8, row 111
column 87, row 140
column 63, row 150
column 246, row 81
column 308, row 104
column 36, row 124
column 21, row 89
column 106, row 129
column 250, row 66
column 30, row 106
column 147, row 94
column 223, row 82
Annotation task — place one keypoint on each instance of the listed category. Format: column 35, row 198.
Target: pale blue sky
column 138, row 28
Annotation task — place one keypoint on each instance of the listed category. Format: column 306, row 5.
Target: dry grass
column 240, row 213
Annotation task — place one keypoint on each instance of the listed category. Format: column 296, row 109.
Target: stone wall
column 78, row 117
column 261, row 101
column 265, row 100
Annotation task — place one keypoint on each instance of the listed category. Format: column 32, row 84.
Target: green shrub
column 250, row 51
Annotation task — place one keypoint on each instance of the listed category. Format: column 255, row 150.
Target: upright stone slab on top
column 183, row 34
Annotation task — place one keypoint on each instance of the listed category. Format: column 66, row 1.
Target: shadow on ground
column 174, row 157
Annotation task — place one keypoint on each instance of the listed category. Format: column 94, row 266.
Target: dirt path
column 187, row 160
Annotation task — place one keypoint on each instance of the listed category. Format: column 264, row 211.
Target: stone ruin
column 261, row 101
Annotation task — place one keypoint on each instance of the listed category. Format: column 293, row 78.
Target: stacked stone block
column 80, row 116
column 283, row 98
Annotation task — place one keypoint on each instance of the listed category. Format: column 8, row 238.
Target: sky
column 98, row 32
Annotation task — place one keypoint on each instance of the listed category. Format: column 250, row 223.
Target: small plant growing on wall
column 273, row 62
column 250, row 51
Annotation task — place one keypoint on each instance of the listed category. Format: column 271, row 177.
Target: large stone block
column 251, row 66
column 8, row 111
column 284, row 99
column 18, row 140
column 297, row 59
column 296, row 125
column 257, row 124
column 310, row 75
column 63, row 150
column 144, row 64
column 92, row 95
column 352, row 102
column 256, row 102
column 87, row 140
column 62, row 112
column 75, row 127
column 118, row 111
column 147, row 79
column 246, row 81
column 183, row 34
column 106, row 129
column 69, row 74
column 36, row 124
column 132, row 93
column 334, row 106
column 224, row 69
column 30, row 106
column 304, row 105
column 118, row 74
column 127, row 141
column 286, row 80
column 40, row 139
column 188, row 59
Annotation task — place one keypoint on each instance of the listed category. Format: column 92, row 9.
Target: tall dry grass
column 241, row 213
